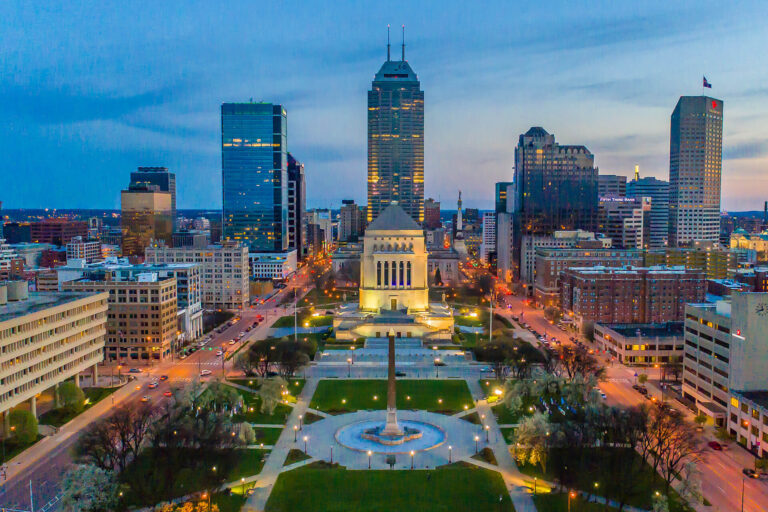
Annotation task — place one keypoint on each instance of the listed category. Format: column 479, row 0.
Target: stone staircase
column 400, row 343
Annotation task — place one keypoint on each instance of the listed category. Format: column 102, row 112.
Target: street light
column 450, row 454
column 295, row 430
column 487, row 434
column 437, row 367
column 301, row 422
column 242, row 482
column 305, row 444
column 477, row 438
column 412, row 454
column 369, row 458
column 571, row 494
column 349, row 367
column 534, row 485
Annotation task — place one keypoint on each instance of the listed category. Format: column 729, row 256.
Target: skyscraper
column 695, row 165
column 166, row 181
column 611, row 185
column 396, row 139
column 254, row 166
column 555, row 189
column 351, row 221
column 297, row 205
column 658, row 191
column 502, row 188
column 145, row 216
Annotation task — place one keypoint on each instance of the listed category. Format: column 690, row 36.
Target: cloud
column 745, row 151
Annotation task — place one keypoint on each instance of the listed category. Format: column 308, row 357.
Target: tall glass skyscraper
column 166, row 181
column 254, row 167
column 555, row 188
column 396, row 140
column 695, row 166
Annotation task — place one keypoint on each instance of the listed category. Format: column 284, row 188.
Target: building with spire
column 396, row 139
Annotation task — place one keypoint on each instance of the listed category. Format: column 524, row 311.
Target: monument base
column 379, row 435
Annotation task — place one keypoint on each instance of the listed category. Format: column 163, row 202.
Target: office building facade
column 432, row 214
column 351, row 221
column 488, row 243
column 160, row 177
column 396, row 140
column 658, row 191
column 145, row 216
column 254, row 163
column 57, row 231
column 695, row 166
column 503, row 195
column 611, row 185
column 297, row 205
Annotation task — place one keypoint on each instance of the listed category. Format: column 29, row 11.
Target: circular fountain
column 367, row 436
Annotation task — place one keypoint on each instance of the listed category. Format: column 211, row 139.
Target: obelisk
column 391, row 428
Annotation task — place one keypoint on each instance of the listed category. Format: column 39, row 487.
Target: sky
column 91, row 90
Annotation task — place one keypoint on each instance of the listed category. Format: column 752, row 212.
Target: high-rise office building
column 658, row 191
column 502, row 191
column 351, row 221
column 254, row 164
column 488, row 244
column 297, row 205
column 145, row 216
column 611, row 185
column 166, row 181
column 396, row 140
column 555, row 189
column 432, row 214
column 695, row 165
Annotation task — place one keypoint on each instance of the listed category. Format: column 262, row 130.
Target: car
column 152, row 385
column 751, row 473
column 602, row 395
column 146, row 398
column 232, row 342
column 642, row 390
column 219, row 353
column 399, row 374
column 167, row 393
column 183, row 356
column 715, row 446
column 163, row 378
column 242, row 333
column 636, row 387
column 134, row 370
column 205, row 373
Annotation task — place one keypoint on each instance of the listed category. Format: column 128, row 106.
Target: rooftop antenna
column 403, row 43
column 387, row 42
column 637, row 172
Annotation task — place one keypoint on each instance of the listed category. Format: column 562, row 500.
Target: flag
column 705, row 83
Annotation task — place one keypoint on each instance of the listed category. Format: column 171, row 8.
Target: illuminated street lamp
column 487, row 433
column 295, row 430
column 571, row 494
column 369, row 458
column 477, row 438
column 412, row 454
column 305, row 444
column 450, row 454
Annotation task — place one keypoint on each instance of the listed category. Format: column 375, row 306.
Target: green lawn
column 252, row 415
column 267, row 436
column 339, row 396
column 229, row 502
column 559, row 502
column 305, row 319
column 294, row 385
column 248, row 463
column 469, row 320
column 601, row 465
column 316, row 297
column 507, row 433
column 59, row 417
column 12, row 448
column 504, row 416
column 295, row 456
column 454, row 488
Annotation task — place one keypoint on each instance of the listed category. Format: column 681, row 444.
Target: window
column 408, row 279
column 386, row 272
column 378, row 273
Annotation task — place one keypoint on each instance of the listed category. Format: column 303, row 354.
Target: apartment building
column 225, row 270
column 142, row 315
column 45, row 339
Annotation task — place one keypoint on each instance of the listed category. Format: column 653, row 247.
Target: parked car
column 751, row 473
column 152, row 385
column 163, row 378
column 146, row 398
column 205, row 373
column 167, row 393
column 232, row 342
column 134, row 370
column 643, row 390
column 715, row 445
column 399, row 374
column 219, row 353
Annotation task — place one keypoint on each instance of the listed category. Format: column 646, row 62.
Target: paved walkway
column 517, row 484
column 274, row 465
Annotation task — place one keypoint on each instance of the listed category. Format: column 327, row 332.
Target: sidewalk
column 516, row 481
column 274, row 465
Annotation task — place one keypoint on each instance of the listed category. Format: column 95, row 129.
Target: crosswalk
column 621, row 380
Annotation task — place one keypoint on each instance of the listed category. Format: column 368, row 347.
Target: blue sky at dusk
column 91, row 90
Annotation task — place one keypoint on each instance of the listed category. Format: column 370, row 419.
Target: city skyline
column 126, row 104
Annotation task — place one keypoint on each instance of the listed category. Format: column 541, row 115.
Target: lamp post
column 412, row 454
column 305, row 444
column 349, row 367
column 331, row 454
column 450, row 454
column 295, row 431
column 571, row 494
column 242, row 483
column 597, row 484
column 535, row 480
column 487, row 434
column 477, row 438
column 369, row 458
column 301, row 421
column 437, row 367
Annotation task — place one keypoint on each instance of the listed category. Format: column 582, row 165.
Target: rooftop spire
column 403, row 43
column 387, row 42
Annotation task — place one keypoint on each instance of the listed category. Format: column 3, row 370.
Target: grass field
column 455, row 488
column 252, row 415
column 59, row 417
column 229, row 502
column 267, row 436
column 339, row 396
column 294, row 385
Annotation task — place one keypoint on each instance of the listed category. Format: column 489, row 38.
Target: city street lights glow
column 450, row 453
column 305, row 444
column 477, row 438
column 412, row 454
column 369, row 458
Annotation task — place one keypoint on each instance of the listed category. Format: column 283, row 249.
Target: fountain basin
column 363, row 437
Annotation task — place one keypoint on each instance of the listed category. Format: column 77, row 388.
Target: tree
column 642, row 378
column 200, row 506
column 577, row 360
column 72, row 397
column 88, row 488
column 484, row 283
column 497, row 353
column 247, row 434
column 660, row 503
column 723, row 435
column 438, row 277
column 700, row 420
column 553, row 314
column 292, row 355
column 531, row 440
column 271, row 393
column 690, row 488
column 263, row 354
column 221, row 397
column 24, row 425
column 245, row 364
column 391, row 461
